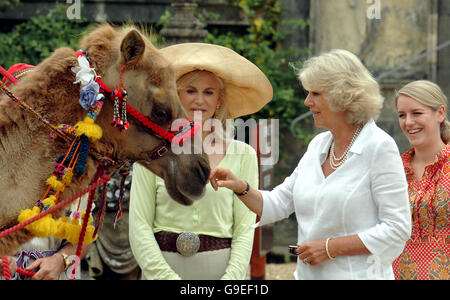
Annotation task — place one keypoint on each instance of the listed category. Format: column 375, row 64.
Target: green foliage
column 7, row 4
column 261, row 45
column 34, row 40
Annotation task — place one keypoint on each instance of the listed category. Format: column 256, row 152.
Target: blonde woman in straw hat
column 213, row 237
column 349, row 191
column 422, row 114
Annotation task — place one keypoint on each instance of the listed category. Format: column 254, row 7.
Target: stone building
column 386, row 35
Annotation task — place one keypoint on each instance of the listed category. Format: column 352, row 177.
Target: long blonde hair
column 431, row 95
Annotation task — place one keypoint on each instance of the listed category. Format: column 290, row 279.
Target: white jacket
column 367, row 196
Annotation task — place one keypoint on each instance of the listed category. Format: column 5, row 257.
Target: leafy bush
column 7, row 4
column 34, row 40
column 261, row 44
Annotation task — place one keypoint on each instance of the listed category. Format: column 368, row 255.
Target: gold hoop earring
column 217, row 109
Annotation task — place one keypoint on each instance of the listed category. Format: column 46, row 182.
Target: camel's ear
column 132, row 47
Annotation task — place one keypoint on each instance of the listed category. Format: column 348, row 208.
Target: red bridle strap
column 170, row 136
column 189, row 128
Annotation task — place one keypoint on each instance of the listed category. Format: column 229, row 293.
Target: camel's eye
column 160, row 114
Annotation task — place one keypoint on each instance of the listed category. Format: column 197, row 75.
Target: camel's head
column 151, row 86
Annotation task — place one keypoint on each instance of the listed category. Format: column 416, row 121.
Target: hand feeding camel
column 27, row 155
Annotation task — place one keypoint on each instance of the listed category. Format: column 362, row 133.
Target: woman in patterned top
column 421, row 107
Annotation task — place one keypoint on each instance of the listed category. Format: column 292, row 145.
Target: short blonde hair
column 428, row 94
column 347, row 85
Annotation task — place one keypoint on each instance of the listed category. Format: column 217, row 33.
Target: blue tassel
column 82, row 158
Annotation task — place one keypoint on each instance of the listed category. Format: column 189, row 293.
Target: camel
column 27, row 155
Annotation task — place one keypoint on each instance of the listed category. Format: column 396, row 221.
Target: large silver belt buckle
column 188, row 243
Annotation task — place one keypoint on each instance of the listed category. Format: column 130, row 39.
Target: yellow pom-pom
column 61, row 227
column 55, row 183
column 73, row 230
column 28, row 214
column 88, row 238
column 89, row 129
column 49, row 202
column 44, row 227
column 84, row 214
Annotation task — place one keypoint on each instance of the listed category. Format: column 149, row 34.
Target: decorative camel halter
column 39, row 220
column 93, row 92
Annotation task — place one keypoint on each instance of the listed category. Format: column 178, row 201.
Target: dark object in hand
column 293, row 250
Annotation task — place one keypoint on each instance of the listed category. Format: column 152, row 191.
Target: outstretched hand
column 223, row 177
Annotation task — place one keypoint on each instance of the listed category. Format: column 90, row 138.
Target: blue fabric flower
column 88, row 95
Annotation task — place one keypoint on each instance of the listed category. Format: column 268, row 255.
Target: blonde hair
column 428, row 94
column 222, row 112
column 347, row 85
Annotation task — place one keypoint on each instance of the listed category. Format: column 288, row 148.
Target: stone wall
column 118, row 11
column 403, row 30
column 443, row 67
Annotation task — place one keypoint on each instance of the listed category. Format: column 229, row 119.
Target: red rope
column 86, row 220
column 138, row 116
column 25, row 272
column 6, row 272
column 7, row 75
column 103, row 179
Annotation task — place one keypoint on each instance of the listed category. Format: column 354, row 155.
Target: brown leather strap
column 159, row 150
column 167, row 242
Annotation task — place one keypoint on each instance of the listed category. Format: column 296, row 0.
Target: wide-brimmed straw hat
column 247, row 89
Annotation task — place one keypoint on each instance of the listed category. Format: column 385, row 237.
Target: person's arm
column 142, row 239
column 223, row 177
column 243, row 219
column 271, row 206
column 387, row 239
column 315, row 252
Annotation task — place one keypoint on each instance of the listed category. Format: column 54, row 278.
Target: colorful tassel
column 101, row 213
column 73, row 231
column 83, row 155
column 48, row 202
column 55, row 183
column 61, row 227
column 67, row 177
column 88, row 128
column 42, row 227
column 27, row 214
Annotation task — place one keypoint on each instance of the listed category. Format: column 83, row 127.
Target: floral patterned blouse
column 427, row 253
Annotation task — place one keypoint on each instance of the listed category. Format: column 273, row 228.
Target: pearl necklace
column 336, row 162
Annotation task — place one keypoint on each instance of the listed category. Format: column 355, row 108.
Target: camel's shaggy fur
column 27, row 155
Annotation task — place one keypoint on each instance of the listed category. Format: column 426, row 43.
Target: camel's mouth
column 184, row 190
column 185, row 178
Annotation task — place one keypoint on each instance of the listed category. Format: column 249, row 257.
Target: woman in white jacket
column 349, row 190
